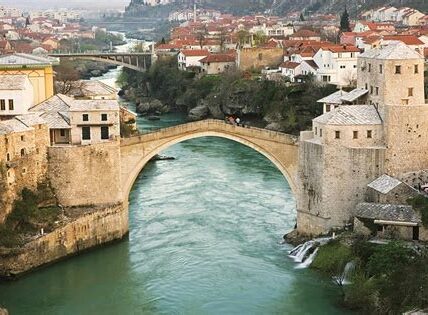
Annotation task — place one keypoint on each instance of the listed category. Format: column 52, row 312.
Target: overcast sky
column 90, row 4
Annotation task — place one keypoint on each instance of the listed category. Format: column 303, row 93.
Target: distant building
column 188, row 58
column 218, row 63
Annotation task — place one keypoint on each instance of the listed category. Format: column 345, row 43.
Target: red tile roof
column 218, row 58
column 406, row 39
column 289, row 65
column 195, row 52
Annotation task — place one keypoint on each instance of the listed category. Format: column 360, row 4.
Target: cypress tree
column 344, row 22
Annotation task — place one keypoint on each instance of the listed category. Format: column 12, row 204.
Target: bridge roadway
column 280, row 148
column 135, row 61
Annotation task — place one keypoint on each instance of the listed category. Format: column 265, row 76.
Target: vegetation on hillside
column 420, row 204
column 291, row 106
column 387, row 279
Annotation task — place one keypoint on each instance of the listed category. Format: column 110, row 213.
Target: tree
column 67, row 77
column 302, row 18
column 344, row 22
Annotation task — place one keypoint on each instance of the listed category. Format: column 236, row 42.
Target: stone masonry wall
column 97, row 227
column 258, row 58
column 86, row 175
column 407, row 139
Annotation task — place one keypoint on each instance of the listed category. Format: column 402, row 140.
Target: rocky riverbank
column 277, row 106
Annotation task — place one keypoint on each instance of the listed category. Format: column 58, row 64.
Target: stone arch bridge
column 281, row 149
column 135, row 61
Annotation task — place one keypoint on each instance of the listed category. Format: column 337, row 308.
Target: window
column 86, row 133
column 22, row 152
column 62, row 132
column 370, row 67
column 337, row 134
column 355, row 135
column 2, row 105
column 8, row 157
column 104, row 117
column 342, row 67
column 410, row 91
column 260, row 56
column 327, row 108
column 397, row 69
column 369, row 134
column 416, row 69
column 367, row 86
column 320, row 132
column 377, row 90
column 316, row 130
column 11, row 105
column 85, row 117
column 104, row 133
column 22, row 138
column 371, row 89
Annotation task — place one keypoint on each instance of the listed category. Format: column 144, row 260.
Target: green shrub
column 332, row 258
column 420, row 203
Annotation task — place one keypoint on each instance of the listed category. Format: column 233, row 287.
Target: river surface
column 204, row 239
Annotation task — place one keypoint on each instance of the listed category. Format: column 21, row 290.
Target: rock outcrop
column 199, row 112
column 149, row 106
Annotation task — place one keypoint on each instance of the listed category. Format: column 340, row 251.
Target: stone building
column 23, row 159
column 16, row 95
column 352, row 146
column 79, row 122
column 38, row 70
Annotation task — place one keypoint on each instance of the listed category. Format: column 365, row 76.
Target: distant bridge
column 135, row 61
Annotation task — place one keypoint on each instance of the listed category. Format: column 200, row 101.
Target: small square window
column 337, row 134
column 397, row 69
column 85, row 117
column 369, row 134
column 327, row 108
column 104, row 117
column 355, row 134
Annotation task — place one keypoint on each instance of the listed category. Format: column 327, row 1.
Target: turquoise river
column 205, row 233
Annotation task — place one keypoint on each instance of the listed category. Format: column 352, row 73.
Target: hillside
column 242, row 7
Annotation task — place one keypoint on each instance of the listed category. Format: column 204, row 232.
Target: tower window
column 85, row 117
column 410, row 91
column 355, row 134
column 2, row 105
column 377, row 90
column 416, row 69
column 22, row 152
column 8, row 157
column 371, row 89
column 369, row 134
column 22, row 138
column 380, row 69
column 337, row 134
column 104, row 117
column 11, row 107
column 397, row 69
column 370, row 67
column 321, row 133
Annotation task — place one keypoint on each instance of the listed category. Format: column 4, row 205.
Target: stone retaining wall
column 96, row 227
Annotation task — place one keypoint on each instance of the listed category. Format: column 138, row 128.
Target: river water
column 204, row 239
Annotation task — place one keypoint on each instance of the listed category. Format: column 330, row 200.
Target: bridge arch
column 280, row 149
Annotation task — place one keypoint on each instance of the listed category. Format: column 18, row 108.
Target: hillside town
column 74, row 146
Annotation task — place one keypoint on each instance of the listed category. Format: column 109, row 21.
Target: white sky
column 42, row 4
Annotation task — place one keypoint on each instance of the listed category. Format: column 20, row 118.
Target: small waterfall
column 305, row 253
column 308, row 261
column 343, row 279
